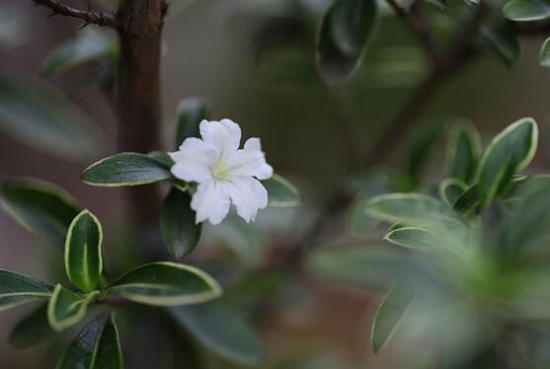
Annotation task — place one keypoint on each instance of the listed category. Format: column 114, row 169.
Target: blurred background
column 254, row 59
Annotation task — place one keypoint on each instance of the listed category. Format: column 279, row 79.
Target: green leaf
column 245, row 240
column 16, row 289
column 503, row 41
column 463, row 150
column 281, row 193
column 67, row 308
column 125, row 169
column 416, row 238
column 509, row 153
column 389, row 314
column 166, row 284
column 408, row 207
column 89, row 45
column 97, row 346
column 420, row 149
column 39, row 115
column 83, row 259
column 544, row 56
column 179, row 231
column 359, row 265
column 528, row 220
column 191, row 112
column 162, row 158
column 222, row 328
column 526, row 10
column 33, row 329
column 467, row 202
column 42, row 208
column 451, row 189
column 342, row 39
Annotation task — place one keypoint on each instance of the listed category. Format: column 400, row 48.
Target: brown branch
column 88, row 16
column 417, row 22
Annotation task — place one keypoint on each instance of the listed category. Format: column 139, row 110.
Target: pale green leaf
column 67, row 308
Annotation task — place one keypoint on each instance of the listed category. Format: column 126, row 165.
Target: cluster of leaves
column 472, row 262
column 56, row 218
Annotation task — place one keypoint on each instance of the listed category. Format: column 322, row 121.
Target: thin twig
column 88, row 16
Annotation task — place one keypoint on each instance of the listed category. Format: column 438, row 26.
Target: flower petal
column 248, row 195
column 211, row 201
column 193, row 160
column 250, row 161
column 224, row 135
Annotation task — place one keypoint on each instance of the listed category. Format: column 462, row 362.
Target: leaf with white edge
column 544, row 56
column 97, row 346
column 417, row 238
column 166, row 284
column 40, row 116
column 389, row 314
column 508, row 153
column 451, row 189
column 223, row 328
column 191, row 112
column 89, row 45
column 162, row 158
column 33, row 329
column 16, row 289
column 526, row 10
column 42, row 208
column 178, row 228
column 408, row 207
column 281, row 193
column 67, row 308
column 463, row 150
column 342, row 39
column 125, row 169
column 83, row 259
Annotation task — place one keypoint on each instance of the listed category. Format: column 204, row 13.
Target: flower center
column 220, row 171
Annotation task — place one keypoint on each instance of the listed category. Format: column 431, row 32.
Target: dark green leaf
column 389, row 314
column 177, row 224
column 67, row 308
column 162, row 158
column 97, row 346
column 40, row 116
column 125, row 169
column 42, row 208
column 503, row 41
column 33, row 329
column 420, row 149
column 89, row 45
column 343, row 35
column 166, row 284
column 544, row 56
column 83, row 259
column 281, row 193
column 222, row 328
column 463, row 150
column 191, row 112
column 17, row 289
column 526, row 10
column 451, row 189
column 509, row 153
column 468, row 201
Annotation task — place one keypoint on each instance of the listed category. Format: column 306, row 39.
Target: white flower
column 225, row 174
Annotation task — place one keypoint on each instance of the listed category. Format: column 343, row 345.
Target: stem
column 138, row 89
